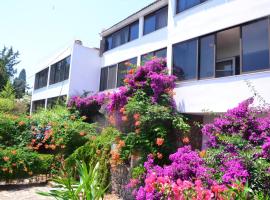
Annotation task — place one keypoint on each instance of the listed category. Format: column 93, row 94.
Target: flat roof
column 135, row 16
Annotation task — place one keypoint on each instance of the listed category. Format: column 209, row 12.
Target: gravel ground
column 29, row 193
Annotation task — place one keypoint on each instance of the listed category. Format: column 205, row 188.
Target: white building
column 73, row 71
column 212, row 46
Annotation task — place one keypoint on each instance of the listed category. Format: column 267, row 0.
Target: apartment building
column 73, row 71
column 213, row 47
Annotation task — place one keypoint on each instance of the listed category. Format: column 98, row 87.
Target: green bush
column 6, row 105
column 97, row 150
column 23, row 163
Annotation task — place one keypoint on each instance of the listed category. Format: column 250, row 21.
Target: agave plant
column 87, row 188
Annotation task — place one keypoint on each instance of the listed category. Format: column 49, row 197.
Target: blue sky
column 40, row 28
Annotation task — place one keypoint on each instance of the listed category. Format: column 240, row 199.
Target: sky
column 40, row 28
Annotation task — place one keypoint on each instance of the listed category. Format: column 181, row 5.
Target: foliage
column 8, row 92
column 58, row 131
column 87, row 188
column 97, row 150
column 22, row 163
column 19, row 84
column 8, row 59
column 6, row 105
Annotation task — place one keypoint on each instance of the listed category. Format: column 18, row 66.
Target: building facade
column 73, row 71
column 216, row 48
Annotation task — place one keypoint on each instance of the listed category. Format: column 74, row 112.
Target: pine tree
column 19, row 84
column 8, row 91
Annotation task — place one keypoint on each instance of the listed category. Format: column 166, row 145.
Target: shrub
column 23, row 163
column 6, row 105
column 97, row 150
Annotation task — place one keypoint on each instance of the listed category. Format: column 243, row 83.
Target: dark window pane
column 41, row 79
column 161, row 18
column 60, row 71
column 108, row 43
column 149, row 24
column 134, row 31
column 186, row 4
column 147, row 57
column 123, row 68
column 185, row 60
column 162, row 53
column 112, row 77
column 124, row 35
column 39, row 104
column 255, row 38
column 225, row 68
column 207, row 56
column 52, row 102
column 103, row 79
column 116, row 39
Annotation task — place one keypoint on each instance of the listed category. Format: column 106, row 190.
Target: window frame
column 39, row 76
column 119, row 31
column 154, row 14
column 177, row 11
column 154, row 53
column 59, row 68
column 240, row 56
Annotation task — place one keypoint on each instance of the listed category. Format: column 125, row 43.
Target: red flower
column 136, row 116
column 186, row 140
column 137, row 123
column 160, row 141
column 124, row 118
column 82, row 133
column 159, row 155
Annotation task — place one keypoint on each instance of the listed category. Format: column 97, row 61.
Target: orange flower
column 21, row 123
column 126, row 80
column 4, row 169
column 122, row 110
column 52, row 146
column 5, row 158
column 82, row 133
column 14, row 164
column 112, row 120
column 30, row 173
column 136, row 116
column 160, row 141
column 14, row 152
column 186, row 140
column 124, row 118
column 121, row 144
column 159, row 155
column 137, row 131
column 137, row 123
column 202, row 153
column 131, row 71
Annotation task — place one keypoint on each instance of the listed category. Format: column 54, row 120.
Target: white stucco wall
column 217, row 94
column 84, row 71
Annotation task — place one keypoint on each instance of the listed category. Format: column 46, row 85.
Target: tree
column 8, row 59
column 19, row 84
column 7, row 92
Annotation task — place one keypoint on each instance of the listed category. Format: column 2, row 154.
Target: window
column 103, row 79
column 155, row 20
column 112, row 77
column 255, row 43
column 207, row 56
column 161, row 53
column 41, row 79
column 39, row 104
column 60, row 71
column 228, row 52
column 124, row 35
column 185, row 60
column 60, row 100
column 182, row 5
column 122, row 70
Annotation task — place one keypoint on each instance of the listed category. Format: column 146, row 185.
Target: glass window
column 52, row 102
column 39, row 104
column 134, row 31
column 41, row 79
column 123, row 68
column 155, row 20
column 103, row 79
column 112, row 77
column 225, row 68
column 186, row 4
column 162, row 53
column 255, row 43
column 207, row 56
column 185, row 60
column 60, row 71
column 108, row 43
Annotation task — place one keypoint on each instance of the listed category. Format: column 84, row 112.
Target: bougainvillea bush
column 236, row 164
